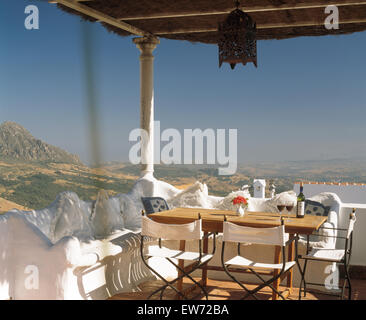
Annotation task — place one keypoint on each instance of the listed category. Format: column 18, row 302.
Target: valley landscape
column 33, row 173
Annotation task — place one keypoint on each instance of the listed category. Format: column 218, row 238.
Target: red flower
column 240, row 200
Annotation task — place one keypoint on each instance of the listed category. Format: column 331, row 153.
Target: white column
column 146, row 46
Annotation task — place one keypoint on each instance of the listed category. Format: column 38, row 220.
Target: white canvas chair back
column 188, row 231
column 351, row 225
column 267, row 236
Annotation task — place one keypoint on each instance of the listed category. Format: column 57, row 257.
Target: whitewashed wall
column 348, row 194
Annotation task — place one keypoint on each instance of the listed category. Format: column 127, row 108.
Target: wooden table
column 212, row 221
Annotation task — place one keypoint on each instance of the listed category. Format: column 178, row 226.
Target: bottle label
column 301, row 209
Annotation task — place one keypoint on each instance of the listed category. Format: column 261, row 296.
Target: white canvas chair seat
column 187, row 232
column 155, row 251
column 331, row 255
column 341, row 256
column 265, row 236
column 246, row 263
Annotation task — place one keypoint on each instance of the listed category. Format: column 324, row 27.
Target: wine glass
column 280, row 208
column 289, row 208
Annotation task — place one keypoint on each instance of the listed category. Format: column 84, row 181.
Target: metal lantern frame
column 237, row 39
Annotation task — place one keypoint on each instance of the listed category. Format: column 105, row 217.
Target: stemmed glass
column 289, row 208
column 280, row 208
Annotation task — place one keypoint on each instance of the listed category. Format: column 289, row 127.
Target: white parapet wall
column 347, row 192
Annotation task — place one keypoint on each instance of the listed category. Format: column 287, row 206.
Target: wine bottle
column 300, row 212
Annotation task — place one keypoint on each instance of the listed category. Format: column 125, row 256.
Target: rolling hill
column 6, row 206
column 33, row 173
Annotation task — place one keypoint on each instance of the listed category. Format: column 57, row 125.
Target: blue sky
column 306, row 100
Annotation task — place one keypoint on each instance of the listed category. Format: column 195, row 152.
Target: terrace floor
column 227, row 290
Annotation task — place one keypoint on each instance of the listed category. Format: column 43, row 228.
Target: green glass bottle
column 300, row 212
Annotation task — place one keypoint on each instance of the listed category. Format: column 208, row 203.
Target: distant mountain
column 16, row 143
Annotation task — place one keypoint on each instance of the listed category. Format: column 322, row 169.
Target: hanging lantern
column 237, row 39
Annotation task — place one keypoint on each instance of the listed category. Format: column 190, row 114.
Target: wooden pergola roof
column 197, row 20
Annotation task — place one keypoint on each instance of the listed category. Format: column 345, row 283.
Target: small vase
column 240, row 210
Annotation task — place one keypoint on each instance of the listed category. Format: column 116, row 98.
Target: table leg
column 276, row 284
column 291, row 257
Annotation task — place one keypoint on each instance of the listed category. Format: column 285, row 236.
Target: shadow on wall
column 115, row 273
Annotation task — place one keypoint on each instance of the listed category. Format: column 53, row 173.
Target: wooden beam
column 75, row 5
column 101, row 17
column 300, row 6
column 259, row 27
